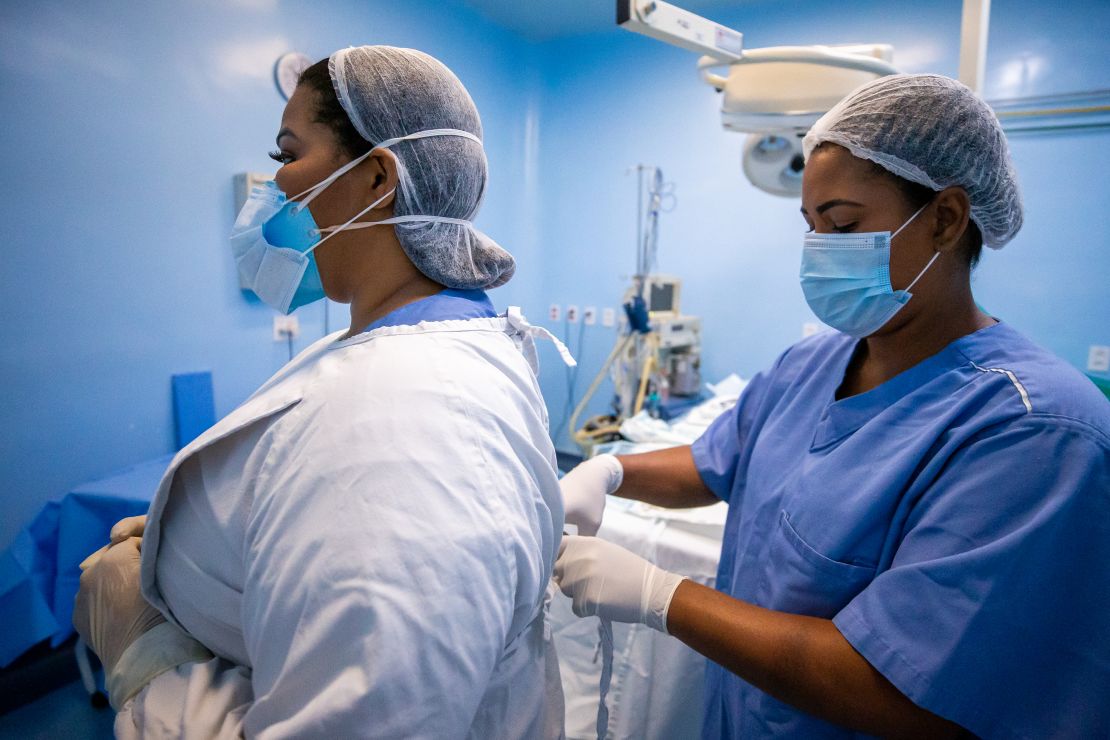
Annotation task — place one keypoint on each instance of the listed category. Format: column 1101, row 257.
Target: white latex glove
column 607, row 581
column 584, row 490
column 112, row 617
column 110, row 612
column 132, row 526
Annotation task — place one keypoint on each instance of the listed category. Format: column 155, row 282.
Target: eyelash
column 838, row 229
column 280, row 156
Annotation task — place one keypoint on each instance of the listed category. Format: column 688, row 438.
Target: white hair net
column 389, row 92
column 935, row 131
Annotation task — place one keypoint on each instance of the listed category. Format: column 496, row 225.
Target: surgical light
column 774, row 93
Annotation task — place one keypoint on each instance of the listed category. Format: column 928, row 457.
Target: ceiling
column 548, row 19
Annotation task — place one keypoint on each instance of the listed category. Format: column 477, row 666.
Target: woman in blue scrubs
column 918, row 537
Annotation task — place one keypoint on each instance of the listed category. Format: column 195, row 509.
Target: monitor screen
column 662, row 296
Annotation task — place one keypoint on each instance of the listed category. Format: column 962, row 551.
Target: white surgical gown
column 365, row 545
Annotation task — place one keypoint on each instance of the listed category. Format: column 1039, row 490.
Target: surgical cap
column 931, row 130
column 389, row 92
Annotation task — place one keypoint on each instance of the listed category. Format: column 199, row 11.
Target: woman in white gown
column 363, row 548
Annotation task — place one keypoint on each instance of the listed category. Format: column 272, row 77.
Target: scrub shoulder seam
column 1046, row 419
column 1013, row 380
column 1097, row 435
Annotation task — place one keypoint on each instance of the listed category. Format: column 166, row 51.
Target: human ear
column 953, row 210
column 379, row 176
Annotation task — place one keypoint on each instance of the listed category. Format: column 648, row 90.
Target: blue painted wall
column 123, row 124
column 614, row 99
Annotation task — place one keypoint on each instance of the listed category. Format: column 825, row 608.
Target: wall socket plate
column 608, row 317
column 1098, row 358
column 589, row 315
column 286, row 327
column 554, row 312
column 572, row 314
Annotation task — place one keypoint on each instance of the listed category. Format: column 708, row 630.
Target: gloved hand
column 132, row 639
column 608, row 581
column 132, row 526
column 584, row 490
column 109, row 611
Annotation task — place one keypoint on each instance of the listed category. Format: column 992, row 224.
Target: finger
column 563, row 545
column 93, row 559
column 566, row 586
column 132, row 526
column 560, row 561
column 125, row 551
column 580, row 605
column 81, row 614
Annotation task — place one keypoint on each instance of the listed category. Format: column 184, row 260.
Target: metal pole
column 973, row 43
column 639, row 220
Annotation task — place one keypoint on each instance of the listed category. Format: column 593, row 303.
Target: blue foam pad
column 194, row 409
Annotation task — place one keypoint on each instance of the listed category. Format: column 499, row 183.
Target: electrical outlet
column 286, row 327
column 1098, row 358
column 608, row 317
column 572, row 314
column 554, row 312
column 589, row 315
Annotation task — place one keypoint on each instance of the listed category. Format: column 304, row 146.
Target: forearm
column 803, row 661
column 665, row 478
column 200, row 699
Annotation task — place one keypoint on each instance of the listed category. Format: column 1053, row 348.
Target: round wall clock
column 288, row 69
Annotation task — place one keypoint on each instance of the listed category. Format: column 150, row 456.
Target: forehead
column 299, row 109
column 301, row 115
column 834, row 172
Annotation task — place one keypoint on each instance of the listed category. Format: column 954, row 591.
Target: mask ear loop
column 911, row 218
column 403, row 220
column 323, row 184
column 923, row 271
column 935, row 254
column 336, row 229
column 432, row 132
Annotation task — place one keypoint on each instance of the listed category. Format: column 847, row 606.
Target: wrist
column 659, row 592
column 614, row 470
column 161, row 648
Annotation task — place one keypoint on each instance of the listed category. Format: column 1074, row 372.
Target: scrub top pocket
column 798, row 579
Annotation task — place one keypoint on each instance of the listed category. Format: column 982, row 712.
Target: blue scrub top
column 953, row 522
column 448, row 304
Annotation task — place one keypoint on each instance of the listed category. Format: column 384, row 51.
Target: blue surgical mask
column 274, row 237
column 846, row 279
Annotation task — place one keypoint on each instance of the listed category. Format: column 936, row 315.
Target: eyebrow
column 284, row 132
column 830, row 204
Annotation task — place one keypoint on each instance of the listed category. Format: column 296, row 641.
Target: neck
column 384, row 284
column 880, row 357
column 370, row 305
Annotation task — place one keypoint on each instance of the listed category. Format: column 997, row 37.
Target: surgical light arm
column 674, row 25
column 871, row 58
column 721, row 45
